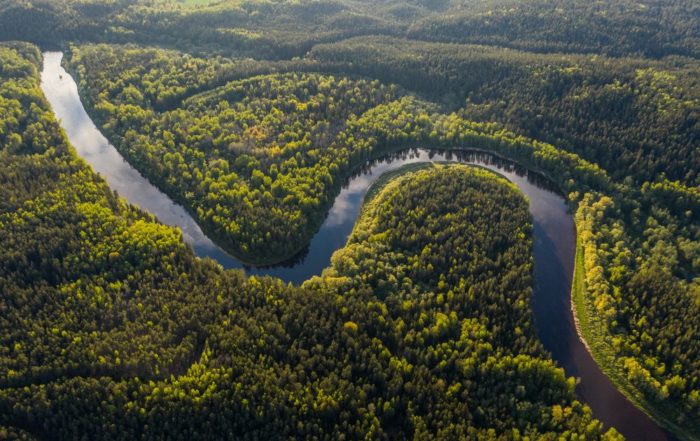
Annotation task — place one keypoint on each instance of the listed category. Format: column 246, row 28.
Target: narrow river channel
column 554, row 240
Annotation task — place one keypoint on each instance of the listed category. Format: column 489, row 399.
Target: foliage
column 257, row 134
column 287, row 28
column 630, row 116
column 652, row 224
column 111, row 326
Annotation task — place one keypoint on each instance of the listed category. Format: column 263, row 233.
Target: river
column 554, row 239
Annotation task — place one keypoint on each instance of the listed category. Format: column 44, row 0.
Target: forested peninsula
column 253, row 115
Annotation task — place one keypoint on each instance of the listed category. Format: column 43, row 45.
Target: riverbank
column 389, row 176
column 314, row 215
column 594, row 336
column 554, row 238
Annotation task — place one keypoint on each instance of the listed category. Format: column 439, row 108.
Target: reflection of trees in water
column 476, row 157
column 403, row 156
column 506, row 165
column 295, row 260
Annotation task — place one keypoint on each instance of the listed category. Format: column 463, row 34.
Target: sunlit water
column 554, row 239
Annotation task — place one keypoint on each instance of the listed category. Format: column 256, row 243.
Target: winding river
column 554, row 240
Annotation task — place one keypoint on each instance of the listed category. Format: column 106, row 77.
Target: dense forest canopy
column 633, row 116
column 284, row 28
column 252, row 114
column 156, row 343
column 209, row 145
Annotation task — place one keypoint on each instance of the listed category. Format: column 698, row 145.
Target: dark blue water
column 554, row 239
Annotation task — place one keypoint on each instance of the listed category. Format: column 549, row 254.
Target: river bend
column 554, row 239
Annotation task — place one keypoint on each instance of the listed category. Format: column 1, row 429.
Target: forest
column 157, row 343
column 252, row 115
column 281, row 29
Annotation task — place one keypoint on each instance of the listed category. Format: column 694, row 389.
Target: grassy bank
column 596, row 337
